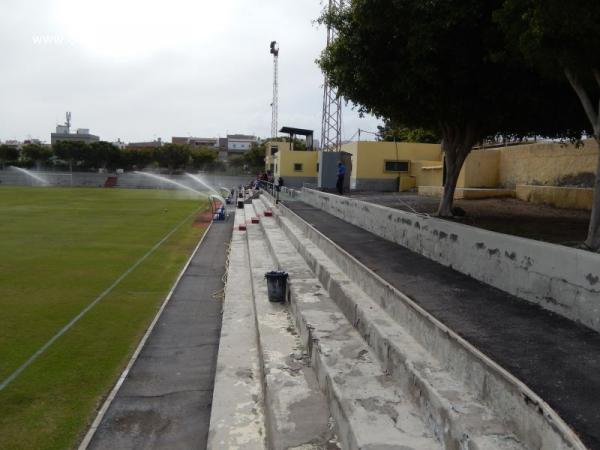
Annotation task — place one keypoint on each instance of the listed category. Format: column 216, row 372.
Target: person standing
column 341, row 173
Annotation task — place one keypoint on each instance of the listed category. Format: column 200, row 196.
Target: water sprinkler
column 217, row 205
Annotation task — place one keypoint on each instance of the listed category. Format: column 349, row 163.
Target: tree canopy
column 8, row 154
column 391, row 131
column 203, row 157
column 561, row 40
column 103, row 155
column 172, row 156
column 70, row 151
column 430, row 65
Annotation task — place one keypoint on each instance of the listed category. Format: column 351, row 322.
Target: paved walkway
column 165, row 402
column 555, row 357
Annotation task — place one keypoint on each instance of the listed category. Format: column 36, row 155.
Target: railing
column 278, row 192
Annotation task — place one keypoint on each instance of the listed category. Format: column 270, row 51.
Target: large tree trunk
column 593, row 237
column 456, row 144
column 593, row 115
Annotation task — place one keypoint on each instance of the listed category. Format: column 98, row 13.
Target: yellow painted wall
column 368, row 158
column 428, row 173
column 284, row 163
column 561, row 197
column 543, row 164
column 407, row 182
column 269, row 159
column 481, row 169
column 539, row 164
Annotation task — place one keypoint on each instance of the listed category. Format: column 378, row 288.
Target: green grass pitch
column 59, row 250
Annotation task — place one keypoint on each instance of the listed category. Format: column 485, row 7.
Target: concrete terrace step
column 296, row 410
column 237, row 417
column 453, row 409
column 513, row 406
column 369, row 407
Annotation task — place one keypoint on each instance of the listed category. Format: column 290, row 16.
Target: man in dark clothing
column 341, row 173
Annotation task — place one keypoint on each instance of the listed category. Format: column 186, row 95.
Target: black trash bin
column 276, row 286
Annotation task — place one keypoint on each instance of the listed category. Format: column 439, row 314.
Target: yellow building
column 388, row 166
column 531, row 172
column 296, row 167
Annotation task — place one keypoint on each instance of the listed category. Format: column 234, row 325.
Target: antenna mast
column 274, row 105
column 68, row 122
column 331, row 123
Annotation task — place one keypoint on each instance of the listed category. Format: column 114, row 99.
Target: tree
column 136, row 158
column 562, row 40
column 255, row 157
column 203, row 157
column 37, row 153
column 390, row 131
column 237, row 161
column 428, row 65
column 172, row 156
column 70, row 151
column 8, row 154
column 103, row 155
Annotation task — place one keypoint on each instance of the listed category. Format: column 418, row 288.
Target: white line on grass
column 113, row 393
column 75, row 319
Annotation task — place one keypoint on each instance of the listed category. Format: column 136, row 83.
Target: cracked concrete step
column 534, row 422
column 237, row 417
column 369, row 408
column 296, row 410
column 455, row 412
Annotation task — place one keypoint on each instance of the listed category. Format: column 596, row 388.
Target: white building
column 239, row 143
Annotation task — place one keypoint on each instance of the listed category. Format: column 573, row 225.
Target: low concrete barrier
column 561, row 279
column 125, row 180
column 561, row 197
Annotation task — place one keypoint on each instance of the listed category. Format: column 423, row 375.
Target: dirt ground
column 504, row 215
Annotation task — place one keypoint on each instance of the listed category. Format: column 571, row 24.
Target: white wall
column 558, row 278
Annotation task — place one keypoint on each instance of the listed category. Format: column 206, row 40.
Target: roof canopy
column 299, row 132
column 296, row 131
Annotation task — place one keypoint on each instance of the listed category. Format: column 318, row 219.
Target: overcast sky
column 142, row 69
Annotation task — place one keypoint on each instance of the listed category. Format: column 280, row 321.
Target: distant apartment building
column 119, row 144
column 196, row 141
column 222, row 149
column 32, row 141
column 12, row 143
column 81, row 135
column 239, row 143
column 146, row 144
column 63, row 133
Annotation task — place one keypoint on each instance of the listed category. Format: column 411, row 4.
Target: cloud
column 139, row 69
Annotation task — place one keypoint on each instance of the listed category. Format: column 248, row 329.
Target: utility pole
column 274, row 105
column 331, row 122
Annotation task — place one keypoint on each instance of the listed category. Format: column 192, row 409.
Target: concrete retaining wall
column 298, row 182
column 558, row 278
column 126, row 180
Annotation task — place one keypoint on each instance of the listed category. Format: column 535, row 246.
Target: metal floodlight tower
column 331, row 122
column 274, row 105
